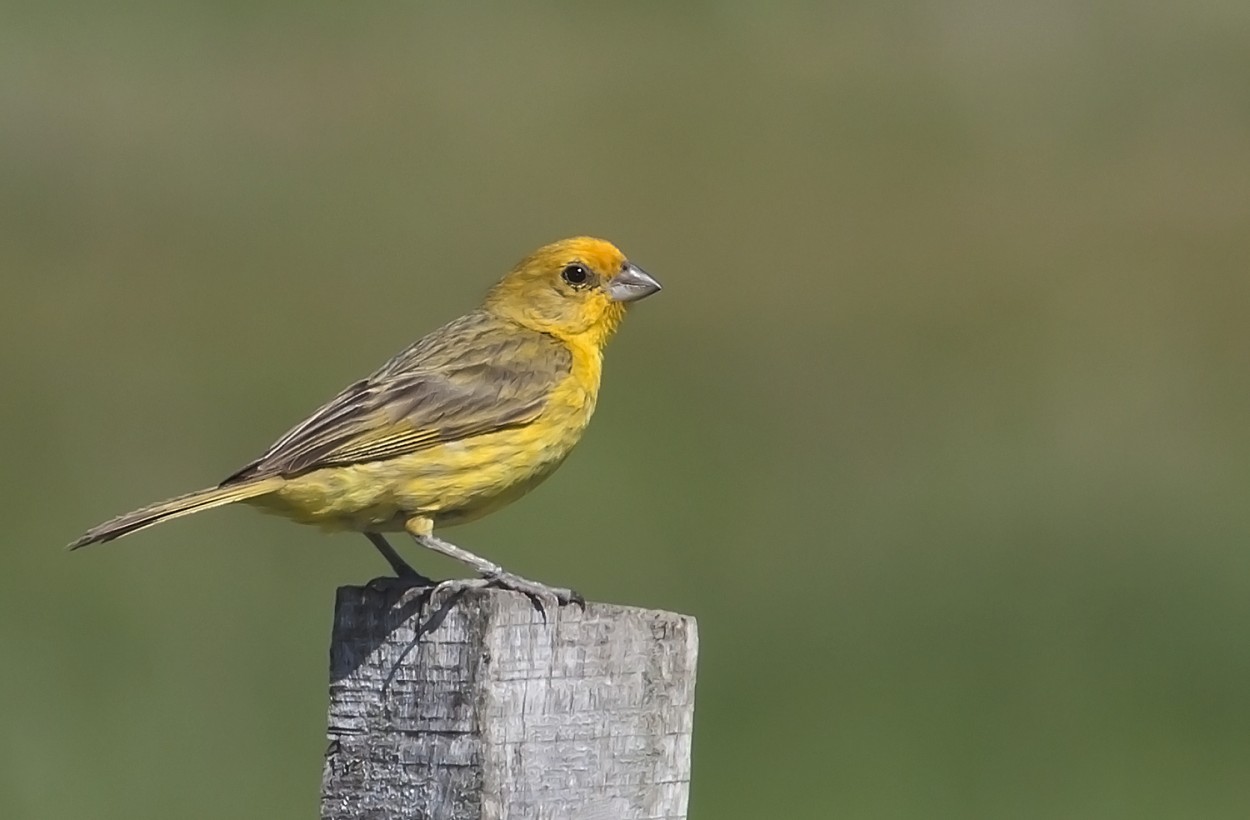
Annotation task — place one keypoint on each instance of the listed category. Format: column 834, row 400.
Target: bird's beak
column 631, row 284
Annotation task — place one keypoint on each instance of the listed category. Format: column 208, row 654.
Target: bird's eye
column 575, row 274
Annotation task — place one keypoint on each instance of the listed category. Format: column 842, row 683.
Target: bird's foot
column 535, row 591
column 540, row 595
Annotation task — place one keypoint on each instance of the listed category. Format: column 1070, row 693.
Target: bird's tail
column 176, row 508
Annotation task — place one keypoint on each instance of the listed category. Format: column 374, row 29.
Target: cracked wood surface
column 481, row 711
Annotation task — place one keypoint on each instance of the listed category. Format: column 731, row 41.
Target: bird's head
column 574, row 289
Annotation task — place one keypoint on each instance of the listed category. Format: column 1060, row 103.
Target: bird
column 460, row 423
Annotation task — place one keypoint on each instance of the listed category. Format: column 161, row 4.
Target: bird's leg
column 401, row 567
column 492, row 575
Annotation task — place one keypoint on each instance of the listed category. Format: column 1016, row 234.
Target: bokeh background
column 939, row 426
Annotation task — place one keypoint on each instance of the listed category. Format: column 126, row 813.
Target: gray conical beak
column 631, row 284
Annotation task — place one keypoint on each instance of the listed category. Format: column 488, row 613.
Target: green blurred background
column 939, row 426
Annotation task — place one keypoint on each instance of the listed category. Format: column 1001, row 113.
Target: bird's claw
column 539, row 594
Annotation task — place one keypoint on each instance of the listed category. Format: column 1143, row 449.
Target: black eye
column 574, row 274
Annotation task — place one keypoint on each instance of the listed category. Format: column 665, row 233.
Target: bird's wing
column 471, row 377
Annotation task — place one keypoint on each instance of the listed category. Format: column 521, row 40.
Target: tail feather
column 176, row 508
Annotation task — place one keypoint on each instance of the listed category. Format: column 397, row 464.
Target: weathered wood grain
column 481, row 711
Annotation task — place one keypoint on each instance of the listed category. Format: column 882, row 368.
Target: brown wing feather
column 472, row 376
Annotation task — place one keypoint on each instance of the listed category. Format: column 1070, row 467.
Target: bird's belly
column 451, row 483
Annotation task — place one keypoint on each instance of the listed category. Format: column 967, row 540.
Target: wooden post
column 480, row 710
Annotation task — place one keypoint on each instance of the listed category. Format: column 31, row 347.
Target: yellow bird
column 457, row 425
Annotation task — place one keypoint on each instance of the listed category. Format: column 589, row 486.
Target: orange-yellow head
column 574, row 289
